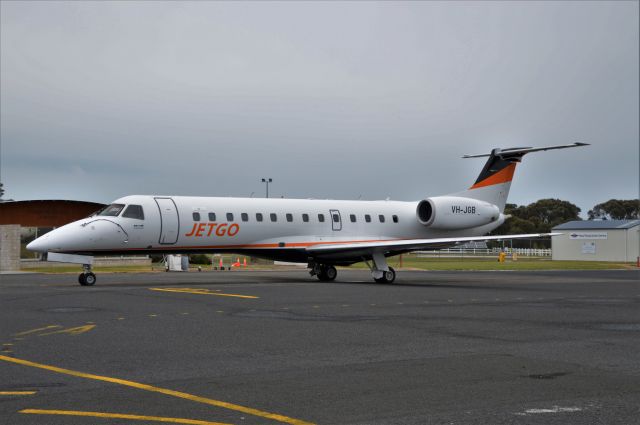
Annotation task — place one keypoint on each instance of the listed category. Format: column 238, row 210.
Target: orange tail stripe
column 503, row 176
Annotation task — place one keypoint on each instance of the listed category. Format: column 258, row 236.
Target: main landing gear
column 380, row 271
column 87, row 278
column 325, row 273
column 387, row 276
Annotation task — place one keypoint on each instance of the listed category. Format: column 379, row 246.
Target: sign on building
column 588, row 235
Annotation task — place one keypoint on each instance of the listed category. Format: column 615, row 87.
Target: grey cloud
column 330, row 99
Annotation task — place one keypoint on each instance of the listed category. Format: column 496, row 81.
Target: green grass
column 523, row 263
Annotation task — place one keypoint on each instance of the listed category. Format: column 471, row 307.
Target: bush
column 199, row 259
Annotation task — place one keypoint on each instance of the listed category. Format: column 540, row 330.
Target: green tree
column 538, row 217
column 616, row 209
column 548, row 213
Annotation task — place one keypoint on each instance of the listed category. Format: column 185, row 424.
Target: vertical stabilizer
column 494, row 181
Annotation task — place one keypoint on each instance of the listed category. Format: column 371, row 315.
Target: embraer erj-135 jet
column 321, row 233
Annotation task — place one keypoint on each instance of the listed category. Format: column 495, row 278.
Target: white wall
column 620, row 245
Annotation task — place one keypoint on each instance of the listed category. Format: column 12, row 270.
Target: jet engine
column 454, row 212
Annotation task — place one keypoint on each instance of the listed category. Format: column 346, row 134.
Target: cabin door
column 169, row 221
column 336, row 220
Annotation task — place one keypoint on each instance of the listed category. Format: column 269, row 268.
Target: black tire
column 387, row 277
column 89, row 279
column 390, row 276
column 81, row 280
column 327, row 273
column 330, row 273
column 322, row 275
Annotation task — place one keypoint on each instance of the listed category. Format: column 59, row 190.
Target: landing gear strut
column 325, row 273
column 87, row 278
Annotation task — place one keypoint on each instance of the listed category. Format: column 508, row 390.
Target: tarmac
column 281, row 347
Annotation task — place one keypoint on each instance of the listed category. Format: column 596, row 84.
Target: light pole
column 267, row 181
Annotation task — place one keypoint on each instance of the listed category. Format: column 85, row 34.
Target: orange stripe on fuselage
column 503, row 176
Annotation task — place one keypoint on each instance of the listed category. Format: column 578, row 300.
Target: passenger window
column 395, row 218
column 274, row 217
column 212, row 216
column 258, row 216
column 305, row 218
column 229, row 216
column 381, row 218
column 336, row 218
column 321, row 218
column 244, row 217
column 196, row 216
column 134, row 211
column 352, row 217
column 112, row 210
column 289, row 217
column 367, row 218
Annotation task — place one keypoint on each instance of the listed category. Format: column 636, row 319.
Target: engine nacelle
column 453, row 212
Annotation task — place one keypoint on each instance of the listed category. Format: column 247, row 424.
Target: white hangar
column 597, row 240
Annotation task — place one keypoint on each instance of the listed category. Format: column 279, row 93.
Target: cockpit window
column 112, row 210
column 134, row 211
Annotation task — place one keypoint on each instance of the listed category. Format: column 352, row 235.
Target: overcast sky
column 331, row 100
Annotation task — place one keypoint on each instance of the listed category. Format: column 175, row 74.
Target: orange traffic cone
column 221, row 264
column 245, row 262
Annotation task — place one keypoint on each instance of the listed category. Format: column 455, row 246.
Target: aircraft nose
column 37, row 245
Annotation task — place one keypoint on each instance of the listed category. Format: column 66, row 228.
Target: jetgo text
column 213, row 229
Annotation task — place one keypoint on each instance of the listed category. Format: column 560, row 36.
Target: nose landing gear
column 87, row 278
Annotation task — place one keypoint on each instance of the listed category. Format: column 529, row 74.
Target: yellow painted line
column 202, row 292
column 72, row 331
column 38, row 330
column 17, row 392
column 172, row 393
column 119, row 416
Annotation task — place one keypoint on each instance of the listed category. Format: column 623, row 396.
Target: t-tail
column 494, row 181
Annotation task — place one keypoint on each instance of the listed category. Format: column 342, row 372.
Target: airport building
column 597, row 240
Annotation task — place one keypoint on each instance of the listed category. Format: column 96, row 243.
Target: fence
column 484, row 252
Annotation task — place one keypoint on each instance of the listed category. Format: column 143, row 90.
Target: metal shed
column 597, row 240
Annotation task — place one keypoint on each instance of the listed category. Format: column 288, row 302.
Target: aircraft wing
column 404, row 245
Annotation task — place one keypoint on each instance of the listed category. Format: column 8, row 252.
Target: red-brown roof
column 45, row 213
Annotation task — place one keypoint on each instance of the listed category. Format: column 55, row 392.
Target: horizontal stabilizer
column 519, row 152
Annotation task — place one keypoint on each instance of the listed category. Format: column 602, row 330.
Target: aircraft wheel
column 387, row 277
column 390, row 276
column 89, row 279
column 327, row 273
column 330, row 273
column 81, row 280
column 322, row 275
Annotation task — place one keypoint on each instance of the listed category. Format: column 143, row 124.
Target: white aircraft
column 321, row 233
